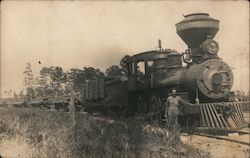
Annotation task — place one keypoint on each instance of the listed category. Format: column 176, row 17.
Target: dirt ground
column 220, row 148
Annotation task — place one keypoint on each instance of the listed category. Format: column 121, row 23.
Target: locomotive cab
column 140, row 68
column 150, row 69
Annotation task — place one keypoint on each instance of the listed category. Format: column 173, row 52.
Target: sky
column 75, row 34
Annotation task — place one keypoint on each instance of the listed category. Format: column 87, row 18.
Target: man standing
column 172, row 110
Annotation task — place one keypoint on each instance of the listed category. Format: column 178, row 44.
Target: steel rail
column 222, row 138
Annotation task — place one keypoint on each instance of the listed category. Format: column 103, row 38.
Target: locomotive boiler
column 205, row 80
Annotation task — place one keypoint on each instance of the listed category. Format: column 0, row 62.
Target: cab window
column 141, row 67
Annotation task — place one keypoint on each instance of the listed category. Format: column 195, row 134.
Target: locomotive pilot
column 172, row 110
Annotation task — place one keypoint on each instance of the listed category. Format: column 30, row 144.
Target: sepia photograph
column 124, row 79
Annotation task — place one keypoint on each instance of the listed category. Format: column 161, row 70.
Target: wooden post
column 72, row 112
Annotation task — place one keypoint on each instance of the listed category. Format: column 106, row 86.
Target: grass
column 37, row 133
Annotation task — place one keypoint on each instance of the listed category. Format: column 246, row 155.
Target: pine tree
column 28, row 81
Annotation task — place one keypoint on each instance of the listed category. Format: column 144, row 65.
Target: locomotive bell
column 196, row 28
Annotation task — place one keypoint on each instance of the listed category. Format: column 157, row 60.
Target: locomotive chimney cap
column 206, row 14
column 196, row 27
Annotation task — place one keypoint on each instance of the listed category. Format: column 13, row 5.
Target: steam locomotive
column 205, row 80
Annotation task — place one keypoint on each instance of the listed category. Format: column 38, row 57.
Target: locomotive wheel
column 155, row 107
column 141, row 105
column 154, row 103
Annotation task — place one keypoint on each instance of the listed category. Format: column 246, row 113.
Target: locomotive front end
column 206, row 76
column 207, row 79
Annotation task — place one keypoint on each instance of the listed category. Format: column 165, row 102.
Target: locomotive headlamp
column 210, row 46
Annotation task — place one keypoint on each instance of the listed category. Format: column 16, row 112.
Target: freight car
column 198, row 74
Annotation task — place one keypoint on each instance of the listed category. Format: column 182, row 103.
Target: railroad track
column 243, row 132
column 227, row 139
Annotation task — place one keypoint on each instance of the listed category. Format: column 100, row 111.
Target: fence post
column 72, row 112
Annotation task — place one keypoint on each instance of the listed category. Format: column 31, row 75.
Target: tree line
column 53, row 81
